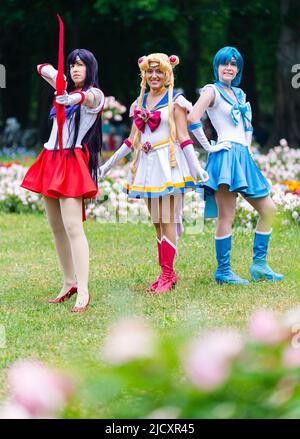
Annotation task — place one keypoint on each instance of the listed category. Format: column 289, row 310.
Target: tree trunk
column 240, row 28
column 287, row 119
column 191, row 60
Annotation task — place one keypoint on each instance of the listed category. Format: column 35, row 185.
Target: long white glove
column 197, row 130
column 249, row 135
column 71, row 99
column 194, row 165
column 48, row 72
column 123, row 151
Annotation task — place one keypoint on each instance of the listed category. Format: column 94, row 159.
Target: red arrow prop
column 60, row 86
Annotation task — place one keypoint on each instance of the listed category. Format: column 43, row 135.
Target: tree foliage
column 120, row 31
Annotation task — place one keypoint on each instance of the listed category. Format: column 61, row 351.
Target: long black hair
column 93, row 138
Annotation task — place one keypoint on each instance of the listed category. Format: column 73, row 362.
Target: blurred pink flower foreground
column 208, row 359
column 265, row 328
column 128, row 339
column 37, row 389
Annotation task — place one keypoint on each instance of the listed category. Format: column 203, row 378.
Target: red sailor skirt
column 66, row 175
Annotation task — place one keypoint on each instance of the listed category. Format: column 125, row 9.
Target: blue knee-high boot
column 224, row 274
column 259, row 269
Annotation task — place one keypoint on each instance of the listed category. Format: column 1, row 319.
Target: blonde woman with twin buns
column 164, row 162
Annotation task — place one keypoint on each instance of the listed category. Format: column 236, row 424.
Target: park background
column 119, row 32
column 133, row 355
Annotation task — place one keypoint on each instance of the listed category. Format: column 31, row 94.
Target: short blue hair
column 224, row 56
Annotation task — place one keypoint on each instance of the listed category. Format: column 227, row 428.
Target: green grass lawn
column 123, row 263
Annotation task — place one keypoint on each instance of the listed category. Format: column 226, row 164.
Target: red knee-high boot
column 154, row 284
column 168, row 278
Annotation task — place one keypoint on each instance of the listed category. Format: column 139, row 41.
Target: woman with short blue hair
column 231, row 167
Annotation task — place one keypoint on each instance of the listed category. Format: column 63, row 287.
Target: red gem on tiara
column 173, row 58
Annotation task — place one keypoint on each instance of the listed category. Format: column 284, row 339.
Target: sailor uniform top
column 88, row 117
column 154, row 176
column 231, row 119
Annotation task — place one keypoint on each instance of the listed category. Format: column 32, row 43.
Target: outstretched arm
column 93, row 99
column 48, row 72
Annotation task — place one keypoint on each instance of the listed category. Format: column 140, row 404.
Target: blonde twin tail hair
column 137, row 136
column 172, row 128
column 166, row 64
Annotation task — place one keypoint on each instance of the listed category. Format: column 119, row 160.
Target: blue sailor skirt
column 236, row 169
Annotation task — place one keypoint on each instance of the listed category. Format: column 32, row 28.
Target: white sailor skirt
column 155, row 177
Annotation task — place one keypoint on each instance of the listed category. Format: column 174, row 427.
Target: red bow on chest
column 143, row 117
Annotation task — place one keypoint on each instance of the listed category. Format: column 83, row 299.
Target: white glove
column 249, row 141
column 204, row 142
column 70, row 99
column 219, row 146
column 47, row 70
column 196, row 171
column 123, row 151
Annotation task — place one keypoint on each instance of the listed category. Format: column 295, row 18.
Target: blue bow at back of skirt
column 236, row 169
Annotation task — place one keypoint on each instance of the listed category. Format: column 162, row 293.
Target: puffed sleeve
column 216, row 92
column 99, row 100
column 183, row 103
column 132, row 108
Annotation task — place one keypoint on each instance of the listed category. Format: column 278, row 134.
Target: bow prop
column 60, row 86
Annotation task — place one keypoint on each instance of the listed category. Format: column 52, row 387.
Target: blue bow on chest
column 241, row 110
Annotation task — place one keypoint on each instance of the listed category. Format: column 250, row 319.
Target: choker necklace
column 162, row 88
column 224, row 84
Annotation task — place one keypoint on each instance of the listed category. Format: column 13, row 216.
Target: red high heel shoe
column 65, row 297
column 81, row 308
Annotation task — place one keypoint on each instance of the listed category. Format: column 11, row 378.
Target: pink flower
column 291, row 357
column 265, row 328
column 129, row 339
column 283, row 142
column 167, row 412
column 208, row 359
column 37, row 388
column 108, row 114
column 11, row 410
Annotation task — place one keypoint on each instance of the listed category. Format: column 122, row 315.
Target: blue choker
column 224, row 84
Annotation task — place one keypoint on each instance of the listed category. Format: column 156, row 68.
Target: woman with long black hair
column 66, row 179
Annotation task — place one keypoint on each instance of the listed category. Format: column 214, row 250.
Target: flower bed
column 112, row 110
column 281, row 164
